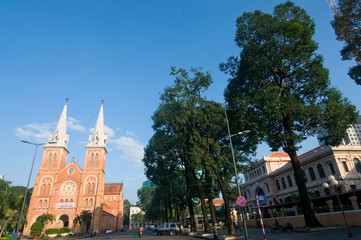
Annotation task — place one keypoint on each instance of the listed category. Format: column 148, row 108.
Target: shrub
column 64, row 230
column 36, row 228
column 52, row 231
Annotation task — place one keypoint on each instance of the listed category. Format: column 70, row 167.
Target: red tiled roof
column 278, row 154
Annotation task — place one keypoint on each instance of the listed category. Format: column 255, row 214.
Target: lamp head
column 330, row 178
column 325, row 185
column 334, row 182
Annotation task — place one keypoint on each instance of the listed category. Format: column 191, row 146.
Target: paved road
column 253, row 234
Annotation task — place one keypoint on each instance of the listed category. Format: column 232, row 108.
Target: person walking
column 141, row 229
column 215, row 232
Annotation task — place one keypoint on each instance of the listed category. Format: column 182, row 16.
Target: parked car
column 108, row 231
column 167, row 228
column 151, row 227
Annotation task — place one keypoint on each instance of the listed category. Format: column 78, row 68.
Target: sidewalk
column 254, row 233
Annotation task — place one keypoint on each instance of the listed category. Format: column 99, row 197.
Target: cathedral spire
column 60, row 138
column 98, row 138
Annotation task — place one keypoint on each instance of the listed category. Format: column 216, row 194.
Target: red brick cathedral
column 65, row 190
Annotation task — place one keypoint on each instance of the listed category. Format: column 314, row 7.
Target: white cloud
column 35, row 131
column 132, row 150
column 74, row 124
column 109, row 132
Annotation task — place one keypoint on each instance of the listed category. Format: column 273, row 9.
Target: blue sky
column 120, row 51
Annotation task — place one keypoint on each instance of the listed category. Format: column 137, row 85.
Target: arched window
column 50, row 157
column 61, row 200
column 357, row 164
column 289, row 180
column 86, row 202
column 54, row 159
column 88, row 188
column 40, row 203
column 321, row 172
column 71, row 200
column 96, row 159
column 42, row 190
column 91, row 161
column 47, row 189
column 312, row 173
column 66, row 200
column 278, row 185
column 283, row 183
column 91, row 202
column 45, row 203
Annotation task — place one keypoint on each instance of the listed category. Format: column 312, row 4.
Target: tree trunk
column 308, row 212
column 207, row 229
column 212, row 210
column 227, row 209
column 187, row 175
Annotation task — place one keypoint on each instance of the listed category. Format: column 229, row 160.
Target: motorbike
column 288, row 227
column 276, row 227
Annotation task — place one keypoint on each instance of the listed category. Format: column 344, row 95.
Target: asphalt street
column 253, row 234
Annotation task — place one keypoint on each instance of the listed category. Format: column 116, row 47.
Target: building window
column 50, row 157
column 278, row 185
column 54, row 159
column 320, row 170
column 290, row 184
column 345, row 167
column 283, row 183
column 264, row 169
column 40, row 203
column 91, row 161
column 267, row 187
column 357, row 164
column 332, row 169
column 45, row 203
column 96, row 159
column 312, row 173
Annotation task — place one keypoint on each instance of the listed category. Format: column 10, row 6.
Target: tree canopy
column 279, row 87
column 347, row 25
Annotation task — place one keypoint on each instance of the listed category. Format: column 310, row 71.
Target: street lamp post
column 331, row 179
column 27, row 185
column 242, row 210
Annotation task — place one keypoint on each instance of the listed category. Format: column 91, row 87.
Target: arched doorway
column 259, row 192
column 65, row 219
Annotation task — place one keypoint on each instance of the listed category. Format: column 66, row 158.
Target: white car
column 109, row 231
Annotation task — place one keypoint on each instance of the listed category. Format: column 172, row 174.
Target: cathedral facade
column 65, row 190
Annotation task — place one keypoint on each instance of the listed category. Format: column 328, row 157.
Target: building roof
column 98, row 138
column 113, row 188
column 60, row 138
column 278, row 154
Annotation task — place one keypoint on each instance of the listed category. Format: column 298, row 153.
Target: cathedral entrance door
column 65, row 219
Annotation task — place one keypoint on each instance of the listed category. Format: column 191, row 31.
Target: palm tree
column 83, row 220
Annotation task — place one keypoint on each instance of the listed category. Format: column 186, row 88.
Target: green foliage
column 348, row 29
column 52, row 231
column 45, row 218
column 36, row 228
column 280, row 88
column 64, row 230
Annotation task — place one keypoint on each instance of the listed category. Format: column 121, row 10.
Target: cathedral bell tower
column 92, row 192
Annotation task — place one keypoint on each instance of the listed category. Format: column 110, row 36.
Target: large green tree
column 175, row 120
column 280, row 88
column 347, row 25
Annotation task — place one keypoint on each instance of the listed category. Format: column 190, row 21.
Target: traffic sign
column 241, row 201
column 262, row 198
